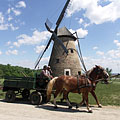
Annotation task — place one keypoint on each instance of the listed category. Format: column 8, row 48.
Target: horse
column 82, row 84
column 95, row 76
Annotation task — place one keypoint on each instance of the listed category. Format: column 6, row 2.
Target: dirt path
column 17, row 111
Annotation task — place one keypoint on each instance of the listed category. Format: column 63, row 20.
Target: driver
column 44, row 74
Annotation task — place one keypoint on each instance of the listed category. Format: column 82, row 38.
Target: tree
column 109, row 71
column 1, row 72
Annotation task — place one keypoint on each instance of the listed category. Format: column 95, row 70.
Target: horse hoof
column 70, row 107
column 55, row 107
column 100, row 106
column 90, row 111
column 77, row 106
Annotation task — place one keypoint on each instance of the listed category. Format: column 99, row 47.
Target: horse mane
column 90, row 71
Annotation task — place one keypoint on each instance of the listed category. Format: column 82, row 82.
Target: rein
column 107, row 78
column 83, row 86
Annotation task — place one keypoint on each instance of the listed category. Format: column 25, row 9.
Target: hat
column 45, row 66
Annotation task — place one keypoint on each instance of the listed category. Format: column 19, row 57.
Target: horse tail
column 50, row 87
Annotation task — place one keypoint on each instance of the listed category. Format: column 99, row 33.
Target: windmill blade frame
column 54, row 32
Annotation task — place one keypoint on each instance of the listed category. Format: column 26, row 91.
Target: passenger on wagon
column 50, row 72
column 44, row 75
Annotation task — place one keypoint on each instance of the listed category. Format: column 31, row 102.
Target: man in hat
column 49, row 72
column 45, row 73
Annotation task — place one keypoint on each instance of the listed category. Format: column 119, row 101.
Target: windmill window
column 57, row 60
column 67, row 72
column 72, row 51
column 79, row 72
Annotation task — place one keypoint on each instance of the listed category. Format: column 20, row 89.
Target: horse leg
column 55, row 96
column 65, row 95
column 66, row 98
column 86, row 100
column 95, row 97
column 81, row 103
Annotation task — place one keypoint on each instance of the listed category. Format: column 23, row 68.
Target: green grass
column 1, row 81
column 2, row 95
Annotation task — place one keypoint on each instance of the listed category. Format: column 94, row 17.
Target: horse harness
column 83, row 86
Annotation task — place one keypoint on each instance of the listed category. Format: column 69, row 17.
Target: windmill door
column 67, row 72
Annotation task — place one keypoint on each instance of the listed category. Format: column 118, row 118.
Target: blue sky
column 23, row 34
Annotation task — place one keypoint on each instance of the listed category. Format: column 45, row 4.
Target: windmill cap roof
column 65, row 32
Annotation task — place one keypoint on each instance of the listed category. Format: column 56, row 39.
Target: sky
column 23, row 35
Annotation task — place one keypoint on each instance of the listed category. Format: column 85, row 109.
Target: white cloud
column 104, row 62
column 8, row 43
column 117, row 43
column 82, row 33
column 13, row 52
column 36, row 38
column 4, row 26
column 100, row 53
column 16, row 12
column 10, row 18
column 39, row 49
column 21, row 4
column 81, row 21
column 118, row 34
column 13, row 27
column 7, row 19
column 114, row 53
column 1, row 18
column 95, row 48
column 95, row 12
column 9, row 10
column 11, row 47
column 0, row 52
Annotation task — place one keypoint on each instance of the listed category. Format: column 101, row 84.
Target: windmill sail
column 55, row 38
column 55, row 31
column 62, row 14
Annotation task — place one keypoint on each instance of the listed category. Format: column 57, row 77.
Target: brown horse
column 75, row 85
column 96, row 76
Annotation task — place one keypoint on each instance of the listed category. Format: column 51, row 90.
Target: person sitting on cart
column 44, row 75
column 50, row 72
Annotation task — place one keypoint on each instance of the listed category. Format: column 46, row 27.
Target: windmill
column 64, row 59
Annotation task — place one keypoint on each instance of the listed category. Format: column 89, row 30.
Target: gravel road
column 20, row 111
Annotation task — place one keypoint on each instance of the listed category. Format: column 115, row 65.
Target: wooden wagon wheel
column 25, row 93
column 36, row 98
column 10, row 96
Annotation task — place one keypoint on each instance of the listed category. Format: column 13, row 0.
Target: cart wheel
column 10, row 96
column 36, row 98
column 25, row 93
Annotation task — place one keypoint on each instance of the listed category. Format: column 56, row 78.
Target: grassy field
column 107, row 94
column 1, row 93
